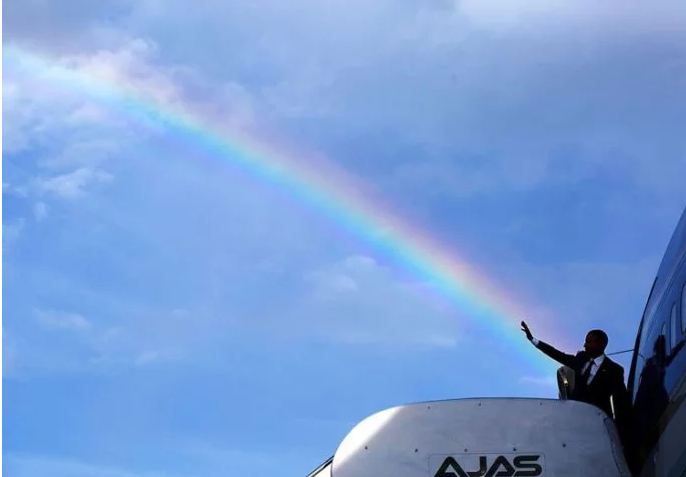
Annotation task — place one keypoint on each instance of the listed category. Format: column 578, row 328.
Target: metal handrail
column 320, row 467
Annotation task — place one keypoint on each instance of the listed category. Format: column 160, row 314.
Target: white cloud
column 40, row 211
column 359, row 262
column 20, row 191
column 548, row 382
column 129, row 68
column 96, row 347
column 73, row 185
column 89, row 152
column 153, row 357
column 57, row 319
column 46, row 116
column 133, row 69
column 12, row 231
column 75, row 134
column 329, row 285
column 15, row 133
column 357, row 301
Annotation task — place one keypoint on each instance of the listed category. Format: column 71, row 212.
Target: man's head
column 596, row 342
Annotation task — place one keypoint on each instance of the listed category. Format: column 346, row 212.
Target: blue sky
column 165, row 314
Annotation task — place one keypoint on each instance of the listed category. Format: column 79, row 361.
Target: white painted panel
column 487, row 437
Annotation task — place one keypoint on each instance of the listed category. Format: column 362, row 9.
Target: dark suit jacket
column 608, row 382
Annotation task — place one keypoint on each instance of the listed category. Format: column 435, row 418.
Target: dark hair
column 601, row 335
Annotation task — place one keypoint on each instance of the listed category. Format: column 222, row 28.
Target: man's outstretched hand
column 527, row 332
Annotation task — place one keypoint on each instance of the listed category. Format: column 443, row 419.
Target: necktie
column 587, row 372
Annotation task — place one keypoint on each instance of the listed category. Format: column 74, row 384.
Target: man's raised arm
column 557, row 355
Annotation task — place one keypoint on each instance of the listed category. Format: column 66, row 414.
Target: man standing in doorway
column 598, row 379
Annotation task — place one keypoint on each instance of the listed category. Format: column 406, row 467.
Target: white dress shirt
column 595, row 363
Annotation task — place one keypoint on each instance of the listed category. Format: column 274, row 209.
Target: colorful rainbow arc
column 324, row 188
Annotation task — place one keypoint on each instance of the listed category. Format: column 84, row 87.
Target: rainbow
column 313, row 181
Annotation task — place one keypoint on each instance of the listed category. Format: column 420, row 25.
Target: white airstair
column 495, row 437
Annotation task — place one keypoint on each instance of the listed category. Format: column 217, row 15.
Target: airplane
column 657, row 377
column 525, row 437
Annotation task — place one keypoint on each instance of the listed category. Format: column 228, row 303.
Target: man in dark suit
column 597, row 378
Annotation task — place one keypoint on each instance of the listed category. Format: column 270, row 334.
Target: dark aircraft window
column 673, row 331
column 683, row 309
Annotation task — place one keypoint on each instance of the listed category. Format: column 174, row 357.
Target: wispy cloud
column 73, row 185
column 154, row 356
column 40, row 211
column 544, row 381
column 358, row 301
column 57, row 319
column 12, row 231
